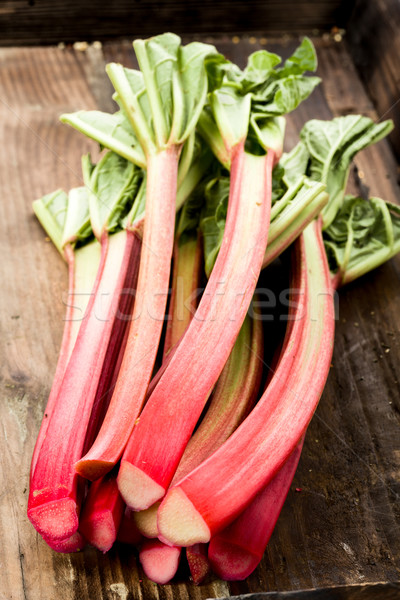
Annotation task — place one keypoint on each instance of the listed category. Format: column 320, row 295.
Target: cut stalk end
column 229, row 561
column 137, row 489
column 100, row 531
column 198, row 562
column 56, row 520
column 93, row 469
column 146, row 521
column 179, row 523
column 159, row 562
column 75, row 543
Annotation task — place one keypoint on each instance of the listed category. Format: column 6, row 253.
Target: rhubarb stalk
column 146, row 467
column 162, row 117
column 236, row 551
column 54, row 211
column 212, row 495
column 54, row 497
column 102, row 513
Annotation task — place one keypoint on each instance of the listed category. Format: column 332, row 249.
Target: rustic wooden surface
column 373, row 34
column 340, row 524
column 42, row 22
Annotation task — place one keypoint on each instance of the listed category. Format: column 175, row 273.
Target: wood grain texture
column 342, row 528
column 35, row 22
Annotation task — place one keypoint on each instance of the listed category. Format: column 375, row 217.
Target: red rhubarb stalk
column 102, row 513
column 64, row 227
column 53, row 507
column 147, row 320
column 160, row 562
column 128, row 532
column 198, row 562
column 75, row 543
column 236, row 551
column 214, row 494
column 149, row 461
column 232, row 399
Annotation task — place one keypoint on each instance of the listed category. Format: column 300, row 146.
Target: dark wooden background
column 51, row 21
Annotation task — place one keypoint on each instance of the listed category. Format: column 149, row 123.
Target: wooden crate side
column 44, row 22
column 374, row 41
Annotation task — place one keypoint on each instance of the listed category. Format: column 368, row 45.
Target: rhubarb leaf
column 303, row 59
column 212, row 223
column 65, row 218
column 363, row 235
column 112, row 131
column 332, row 145
column 77, row 226
column 163, row 101
column 51, row 212
column 255, row 97
column 112, row 186
column 295, row 163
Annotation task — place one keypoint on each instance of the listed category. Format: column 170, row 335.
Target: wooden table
column 340, row 524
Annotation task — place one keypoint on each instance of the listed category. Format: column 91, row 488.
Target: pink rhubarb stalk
column 237, row 550
column 214, row 494
column 75, row 543
column 147, row 321
column 102, row 513
column 232, row 399
column 53, row 505
column 160, row 562
column 67, row 343
column 149, row 461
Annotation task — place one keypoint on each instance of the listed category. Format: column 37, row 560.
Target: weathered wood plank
column 53, row 21
column 343, row 527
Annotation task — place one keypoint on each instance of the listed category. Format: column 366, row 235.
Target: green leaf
column 111, row 131
column 287, row 94
column 163, row 101
column 112, row 187
column 295, row 163
column 65, row 218
column 232, row 113
column 77, row 226
column 246, row 104
column 212, row 223
column 303, row 59
column 51, row 212
column 332, row 146
column 363, row 235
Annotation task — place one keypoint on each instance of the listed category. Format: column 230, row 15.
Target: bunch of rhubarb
column 165, row 428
